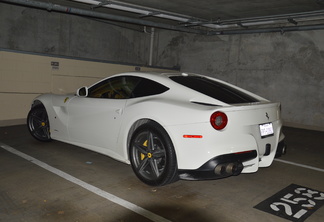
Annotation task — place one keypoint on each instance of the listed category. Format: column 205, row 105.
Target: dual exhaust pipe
column 228, row 169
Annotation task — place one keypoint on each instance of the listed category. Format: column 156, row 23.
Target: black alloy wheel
column 38, row 124
column 152, row 155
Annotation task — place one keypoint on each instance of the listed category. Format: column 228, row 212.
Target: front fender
column 56, row 108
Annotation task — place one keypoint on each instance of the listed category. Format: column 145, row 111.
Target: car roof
column 161, row 77
column 149, row 75
column 178, row 89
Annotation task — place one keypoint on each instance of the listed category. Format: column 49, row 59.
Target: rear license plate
column 266, row 130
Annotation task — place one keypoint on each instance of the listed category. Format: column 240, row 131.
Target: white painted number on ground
column 302, row 198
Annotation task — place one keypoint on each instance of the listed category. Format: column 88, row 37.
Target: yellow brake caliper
column 149, row 155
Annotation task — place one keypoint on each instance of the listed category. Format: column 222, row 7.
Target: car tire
column 38, row 123
column 152, row 155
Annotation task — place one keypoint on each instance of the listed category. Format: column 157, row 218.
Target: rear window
column 214, row 89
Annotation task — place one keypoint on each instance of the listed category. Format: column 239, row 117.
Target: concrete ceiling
column 202, row 17
column 212, row 10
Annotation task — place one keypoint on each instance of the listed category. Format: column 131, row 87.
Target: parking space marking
column 124, row 203
column 300, row 165
column 294, row 203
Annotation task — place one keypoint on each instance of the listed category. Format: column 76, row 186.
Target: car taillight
column 218, row 120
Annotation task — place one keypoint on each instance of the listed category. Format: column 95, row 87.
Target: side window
column 120, row 87
column 125, row 87
column 148, row 87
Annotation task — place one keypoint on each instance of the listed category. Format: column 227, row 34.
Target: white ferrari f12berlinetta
column 167, row 126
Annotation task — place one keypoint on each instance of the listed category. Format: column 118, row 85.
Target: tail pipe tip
column 228, row 169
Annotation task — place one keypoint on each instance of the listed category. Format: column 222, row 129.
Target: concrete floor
column 29, row 192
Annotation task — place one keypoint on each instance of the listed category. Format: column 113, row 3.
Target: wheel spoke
column 143, row 165
column 139, row 147
column 44, row 116
column 158, row 154
column 45, row 131
column 37, row 118
column 150, row 145
column 154, row 167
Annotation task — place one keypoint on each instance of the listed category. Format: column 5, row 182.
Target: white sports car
column 168, row 126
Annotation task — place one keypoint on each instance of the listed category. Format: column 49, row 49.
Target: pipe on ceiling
column 143, row 11
column 228, row 26
column 189, row 21
column 282, row 30
column 54, row 7
column 151, row 47
column 272, row 18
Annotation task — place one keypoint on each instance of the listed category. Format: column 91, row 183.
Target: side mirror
column 83, row 91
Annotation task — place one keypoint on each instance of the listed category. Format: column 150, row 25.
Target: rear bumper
column 226, row 165
column 219, row 167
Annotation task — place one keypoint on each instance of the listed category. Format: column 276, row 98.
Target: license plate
column 266, row 130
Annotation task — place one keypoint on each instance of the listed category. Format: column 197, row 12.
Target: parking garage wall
column 49, row 32
column 49, row 52
column 284, row 67
column 288, row 67
column 24, row 76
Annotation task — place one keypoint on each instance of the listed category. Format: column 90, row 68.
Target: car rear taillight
column 218, row 120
